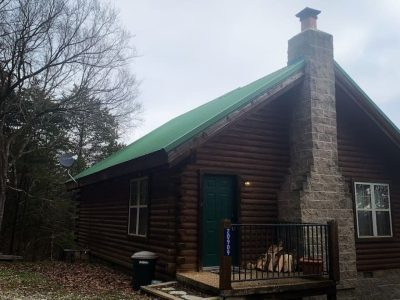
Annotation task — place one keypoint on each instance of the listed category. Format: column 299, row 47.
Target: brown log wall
column 365, row 154
column 256, row 149
column 102, row 222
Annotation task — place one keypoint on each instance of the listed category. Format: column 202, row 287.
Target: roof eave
column 149, row 161
column 184, row 149
column 180, row 149
column 367, row 105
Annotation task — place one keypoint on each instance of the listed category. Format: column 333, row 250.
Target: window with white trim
column 138, row 207
column 373, row 209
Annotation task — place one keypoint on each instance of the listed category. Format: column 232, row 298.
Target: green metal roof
column 187, row 125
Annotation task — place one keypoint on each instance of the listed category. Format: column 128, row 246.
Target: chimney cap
column 307, row 13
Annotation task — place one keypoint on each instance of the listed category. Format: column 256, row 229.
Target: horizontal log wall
column 254, row 148
column 365, row 154
column 102, row 222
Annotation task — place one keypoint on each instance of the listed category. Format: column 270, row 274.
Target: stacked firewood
column 276, row 259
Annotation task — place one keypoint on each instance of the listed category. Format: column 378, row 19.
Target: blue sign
column 227, row 242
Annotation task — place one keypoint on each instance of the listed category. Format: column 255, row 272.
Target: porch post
column 334, row 269
column 225, row 255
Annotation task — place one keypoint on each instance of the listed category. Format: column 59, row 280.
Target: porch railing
column 266, row 251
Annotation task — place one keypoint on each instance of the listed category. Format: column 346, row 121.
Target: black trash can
column 144, row 264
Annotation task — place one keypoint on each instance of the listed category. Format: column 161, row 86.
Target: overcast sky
column 192, row 51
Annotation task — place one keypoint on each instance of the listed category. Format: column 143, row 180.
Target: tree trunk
column 2, row 197
column 3, row 176
column 15, row 222
column 4, row 167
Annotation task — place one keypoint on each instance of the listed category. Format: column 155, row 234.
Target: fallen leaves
column 60, row 280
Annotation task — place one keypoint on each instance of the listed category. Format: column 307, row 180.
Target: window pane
column 363, row 196
column 143, row 221
column 132, row 220
column 365, row 223
column 133, row 198
column 143, row 191
column 381, row 193
column 383, row 222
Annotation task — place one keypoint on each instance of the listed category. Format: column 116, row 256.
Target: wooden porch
column 296, row 260
column 278, row 288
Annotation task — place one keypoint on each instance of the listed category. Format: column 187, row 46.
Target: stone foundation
column 381, row 285
column 384, row 284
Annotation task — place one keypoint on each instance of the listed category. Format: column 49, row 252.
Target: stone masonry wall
column 314, row 190
column 383, row 284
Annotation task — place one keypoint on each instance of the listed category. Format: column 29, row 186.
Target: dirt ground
column 60, row 280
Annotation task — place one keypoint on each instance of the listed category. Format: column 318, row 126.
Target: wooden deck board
column 209, row 281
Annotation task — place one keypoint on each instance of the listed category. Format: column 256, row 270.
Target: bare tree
column 59, row 49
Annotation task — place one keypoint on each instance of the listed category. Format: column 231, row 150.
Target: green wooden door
column 218, row 204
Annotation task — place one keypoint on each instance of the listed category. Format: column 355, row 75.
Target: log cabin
column 277, row 159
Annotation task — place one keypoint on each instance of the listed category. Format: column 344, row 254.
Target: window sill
column 374, row 239
column 132, row 237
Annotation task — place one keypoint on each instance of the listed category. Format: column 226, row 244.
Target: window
column 138, row 207
column 373, row 209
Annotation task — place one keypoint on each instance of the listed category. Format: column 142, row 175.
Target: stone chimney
column 314, row 190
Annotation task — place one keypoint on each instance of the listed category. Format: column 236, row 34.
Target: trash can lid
column 144, row 255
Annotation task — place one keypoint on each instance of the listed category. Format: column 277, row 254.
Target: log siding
column 255, row 149
column 102, row 224
column 363, row 156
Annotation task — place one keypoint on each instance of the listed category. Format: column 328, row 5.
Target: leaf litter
column 60, row 280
